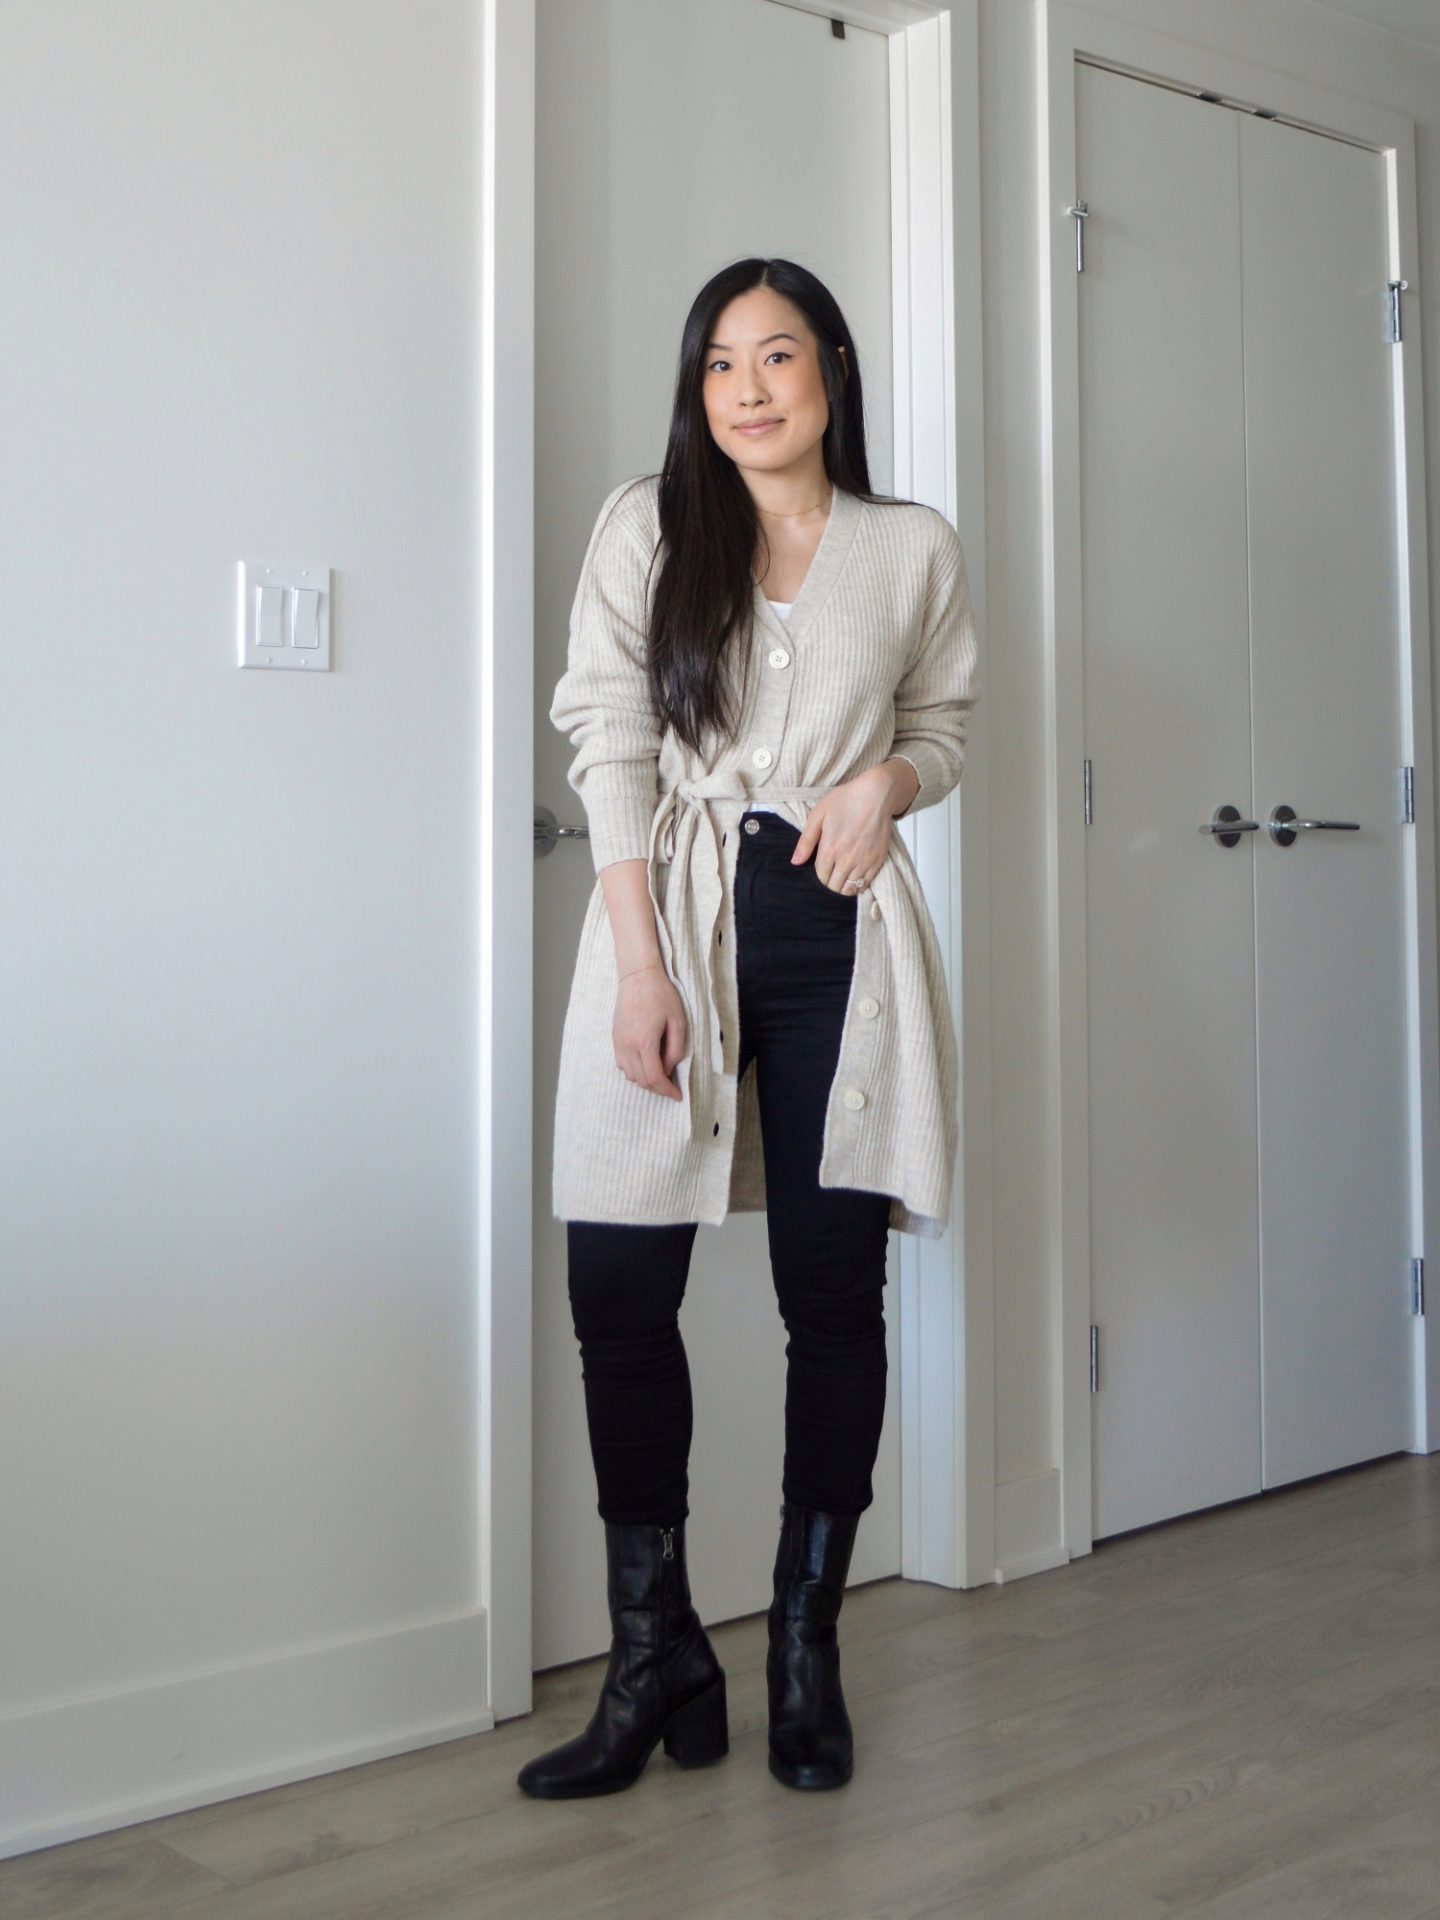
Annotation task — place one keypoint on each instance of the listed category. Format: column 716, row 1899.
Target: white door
column 1249, row 1252
column 1327, row 727
column 672, row 137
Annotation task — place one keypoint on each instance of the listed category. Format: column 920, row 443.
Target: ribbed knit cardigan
column 878, row 656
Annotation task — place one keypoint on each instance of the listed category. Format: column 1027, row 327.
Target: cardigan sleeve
column 937, row 691
column 603, row 701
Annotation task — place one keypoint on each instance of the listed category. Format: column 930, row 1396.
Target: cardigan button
column 869, row 1007
column 854, row 1097
column 779, row 657
column 762, row 756
column 874, row 909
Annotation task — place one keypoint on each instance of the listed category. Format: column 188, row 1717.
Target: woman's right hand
column 650, row 1030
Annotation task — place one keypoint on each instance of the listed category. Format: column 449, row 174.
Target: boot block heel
column 698, row 1733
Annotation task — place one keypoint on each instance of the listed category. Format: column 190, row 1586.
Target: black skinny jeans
column 794, row 956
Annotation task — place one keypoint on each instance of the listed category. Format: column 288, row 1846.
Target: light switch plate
column 284, row 616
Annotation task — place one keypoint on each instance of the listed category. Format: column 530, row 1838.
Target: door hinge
column 1417, row 1285
column 1094, row 1359
column 1089, row 816
column 1407, row 775
column 1079, row 212
column 1395, row 289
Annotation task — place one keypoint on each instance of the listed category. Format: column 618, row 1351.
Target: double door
column 1250, row 1183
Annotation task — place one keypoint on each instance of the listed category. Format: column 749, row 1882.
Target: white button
column 762, row 756
column 869, row 1007
column 752, row 826
column 854, row 1097
column 874, row 909
column 779, row 657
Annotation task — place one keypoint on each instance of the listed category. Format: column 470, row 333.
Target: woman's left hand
column 848, row 830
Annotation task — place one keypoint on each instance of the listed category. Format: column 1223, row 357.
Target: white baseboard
column 1029, row 1526
column 70, row 1768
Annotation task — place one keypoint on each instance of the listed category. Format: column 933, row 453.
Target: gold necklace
column 769, row 515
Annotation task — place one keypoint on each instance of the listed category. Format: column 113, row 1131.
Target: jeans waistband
column 772, row 833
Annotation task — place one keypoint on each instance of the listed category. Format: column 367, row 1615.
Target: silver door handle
column 548, row 831
column 1284, row 826
column 1229, row 826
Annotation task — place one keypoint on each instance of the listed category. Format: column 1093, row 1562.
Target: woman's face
column 762, row 370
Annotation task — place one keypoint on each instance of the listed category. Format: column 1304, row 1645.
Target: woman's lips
column 760, row 426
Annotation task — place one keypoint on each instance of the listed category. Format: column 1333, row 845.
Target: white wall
column 237, row 1152
column 1293, row 37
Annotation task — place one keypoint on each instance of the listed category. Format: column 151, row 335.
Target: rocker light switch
column 304, row 617
column 284, row 616
column 269, row 618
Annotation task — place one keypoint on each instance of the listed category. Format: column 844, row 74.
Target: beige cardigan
column 878, row 655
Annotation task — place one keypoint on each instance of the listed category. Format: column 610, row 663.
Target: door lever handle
column 1229, row 826
column 1284, row 827
column 549, row 832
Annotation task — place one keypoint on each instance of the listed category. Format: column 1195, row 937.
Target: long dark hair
column 704, row 604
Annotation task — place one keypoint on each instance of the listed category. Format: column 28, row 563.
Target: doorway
column 930, row 76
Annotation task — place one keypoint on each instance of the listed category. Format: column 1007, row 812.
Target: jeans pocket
column 811, row 909
column 849, row 901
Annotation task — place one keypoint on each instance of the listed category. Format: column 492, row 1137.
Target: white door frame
column 1067, row 33
column 946, row 1370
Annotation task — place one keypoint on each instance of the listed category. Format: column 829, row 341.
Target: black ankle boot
column 811, row 1742
column 663, row 1681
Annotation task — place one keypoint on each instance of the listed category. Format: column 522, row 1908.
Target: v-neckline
column 825, row 564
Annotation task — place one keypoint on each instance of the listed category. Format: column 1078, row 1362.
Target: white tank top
column 782, row 607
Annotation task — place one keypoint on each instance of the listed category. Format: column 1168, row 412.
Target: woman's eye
column 778, row 354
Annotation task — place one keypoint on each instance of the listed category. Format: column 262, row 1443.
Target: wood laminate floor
column 1234, row 1716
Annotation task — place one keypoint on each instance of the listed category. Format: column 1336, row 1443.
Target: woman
column 748, row 718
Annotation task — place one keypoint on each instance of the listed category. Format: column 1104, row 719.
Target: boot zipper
column 667, row 1552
